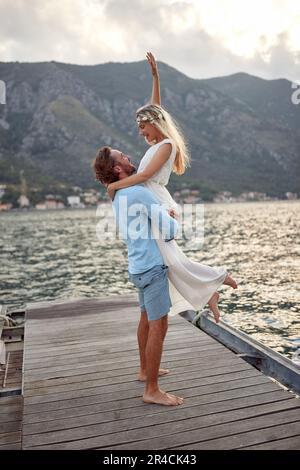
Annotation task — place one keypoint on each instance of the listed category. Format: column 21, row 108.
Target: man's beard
column 131, row 171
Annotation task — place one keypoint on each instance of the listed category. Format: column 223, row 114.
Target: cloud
column 201, row 38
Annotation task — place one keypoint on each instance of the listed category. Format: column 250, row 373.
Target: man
column 145, row 264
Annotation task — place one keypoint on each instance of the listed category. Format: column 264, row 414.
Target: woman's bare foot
column 213, row 305
column 162, row 398
column 229, row 281
column 142, row 376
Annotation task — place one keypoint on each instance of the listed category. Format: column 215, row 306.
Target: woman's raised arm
column 155, row 98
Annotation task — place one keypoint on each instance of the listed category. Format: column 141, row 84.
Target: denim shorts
column 153, row 289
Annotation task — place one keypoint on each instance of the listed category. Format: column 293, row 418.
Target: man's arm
column 167, row 225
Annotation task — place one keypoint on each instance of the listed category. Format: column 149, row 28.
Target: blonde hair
column 164, row 122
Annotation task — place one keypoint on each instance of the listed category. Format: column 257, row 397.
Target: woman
column 192, row 285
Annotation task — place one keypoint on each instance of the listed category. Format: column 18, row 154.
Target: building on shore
column 226, row 196
column 291, row 196
column 2, row 190
column 7, row 206
column 90, row 197
column 50, row 202
column 23, row 201
column 75, row 202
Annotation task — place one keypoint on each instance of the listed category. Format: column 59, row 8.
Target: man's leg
column 142, row 335
column 154, row 347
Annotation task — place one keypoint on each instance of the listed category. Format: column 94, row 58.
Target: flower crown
column 148, row 117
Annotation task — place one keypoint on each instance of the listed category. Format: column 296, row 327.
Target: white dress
column 191, row 284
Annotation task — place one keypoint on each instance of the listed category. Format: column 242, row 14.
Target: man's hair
column 103, row 166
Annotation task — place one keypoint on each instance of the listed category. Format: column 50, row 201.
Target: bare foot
column 229, row 281
column 213, row 305
column 142, row 376
column 162, row 398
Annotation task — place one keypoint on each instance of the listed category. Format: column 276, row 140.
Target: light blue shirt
column 135, row 209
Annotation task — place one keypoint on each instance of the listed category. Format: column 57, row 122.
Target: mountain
column 242, row 131
column 271, row 99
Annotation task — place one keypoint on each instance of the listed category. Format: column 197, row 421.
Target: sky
column 201, row 38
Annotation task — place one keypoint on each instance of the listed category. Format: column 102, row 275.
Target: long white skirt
column 191, row 283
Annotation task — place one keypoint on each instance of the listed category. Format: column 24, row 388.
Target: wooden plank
column 140, row 409
column 91, row 329
column 82, row 332
column 113, row 392
column 70, row 348
column 131, row 372
column 95, row 436
column 67, row 371
column 11, row 415
column 10, row 403
column 13, row 378
column 90, row 326
column 12, row 331
column 115, row 350
column 127, row 382
column 242, row 441
column 105, row 366
column 288, row 443
column 13, row 400
column 10, row 422
column 117, row 357
column 91, row 338
column 10, row 426
column 80, row 387
column 14, row 446
column 134, row 420
column 77, row 307
column 98, row 318
column 203, row 437
column 136, row 401
column 10, row 438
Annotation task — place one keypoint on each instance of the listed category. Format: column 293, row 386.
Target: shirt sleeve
column 151, row 206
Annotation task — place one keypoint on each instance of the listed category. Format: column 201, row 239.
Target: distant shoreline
column 82, row 209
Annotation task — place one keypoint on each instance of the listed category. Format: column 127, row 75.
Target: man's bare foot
column 142, row 376
column 162, row 398
column 213, row 305
column 229, row 281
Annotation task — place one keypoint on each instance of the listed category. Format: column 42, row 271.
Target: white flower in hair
column 142, row 118
column 148, row 117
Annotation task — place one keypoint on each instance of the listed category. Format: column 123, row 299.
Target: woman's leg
column 213, row 301
column 229, row 281
column 213, row 305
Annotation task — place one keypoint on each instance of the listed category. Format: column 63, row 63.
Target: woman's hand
column 155, row 98
column 172, row 213
column 111, row 191
column 152, row 63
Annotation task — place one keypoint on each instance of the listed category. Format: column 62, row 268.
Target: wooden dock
column 80, row 389
column 11, row 411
